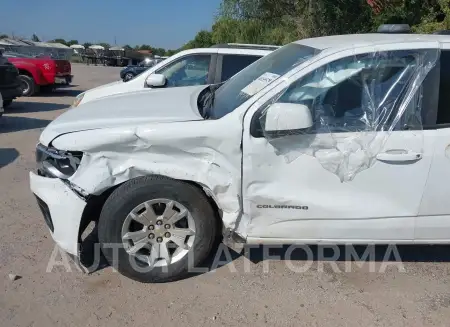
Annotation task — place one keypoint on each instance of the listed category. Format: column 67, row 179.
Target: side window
column 359, row 93
column 187, row 71
column 232, row 64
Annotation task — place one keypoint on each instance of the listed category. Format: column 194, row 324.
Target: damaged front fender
column 208, row 154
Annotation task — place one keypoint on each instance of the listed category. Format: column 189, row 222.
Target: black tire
column 7, row 103
column 29, row 87
column 47, row 89
column 134, row 192
column 128, row 77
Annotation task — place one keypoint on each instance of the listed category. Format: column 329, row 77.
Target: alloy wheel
column 158, row 232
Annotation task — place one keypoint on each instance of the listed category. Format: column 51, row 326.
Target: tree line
column 282, row 21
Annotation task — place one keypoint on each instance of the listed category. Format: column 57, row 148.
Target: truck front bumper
column 63, row 80
column 62, row 210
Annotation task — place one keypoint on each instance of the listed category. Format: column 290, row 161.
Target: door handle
column 399, row 155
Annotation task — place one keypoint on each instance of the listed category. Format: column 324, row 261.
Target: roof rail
column 246, row 46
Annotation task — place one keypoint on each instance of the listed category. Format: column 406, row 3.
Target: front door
column 359, row 173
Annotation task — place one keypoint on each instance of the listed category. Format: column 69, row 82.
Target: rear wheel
column 128, row 77
column 28, row 85
column 153, row 229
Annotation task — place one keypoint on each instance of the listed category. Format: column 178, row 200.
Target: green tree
column 203, row 39
column 4, row 36
column 87, row 44
column 127, row 47
column 281, row 21
column 437, row 18
column 145, row 47
column 170, row 53
column 72, row 42
column 158, row 51
column 226, row 30
column 35, row 38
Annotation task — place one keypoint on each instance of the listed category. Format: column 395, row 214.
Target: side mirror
column 287, row 117
column 156, row 80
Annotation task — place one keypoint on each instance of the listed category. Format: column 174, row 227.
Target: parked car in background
column 340, row 139
column 130, row 72
column 9, row 81
column 38, row 74
column 186, row 68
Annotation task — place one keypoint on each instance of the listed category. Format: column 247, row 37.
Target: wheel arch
column 95, row 203
column 25, row 72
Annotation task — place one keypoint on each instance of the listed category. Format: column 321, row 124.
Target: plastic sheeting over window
column 350, row 107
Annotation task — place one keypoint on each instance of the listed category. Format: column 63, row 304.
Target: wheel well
column 214, row 205
column 25, row 72
column 95, row 205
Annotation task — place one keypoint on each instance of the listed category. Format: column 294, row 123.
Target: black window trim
column 218, row 77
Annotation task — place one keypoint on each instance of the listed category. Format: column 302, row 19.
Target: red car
column 37, row 74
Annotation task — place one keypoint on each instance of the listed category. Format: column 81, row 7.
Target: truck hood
column 131, row 108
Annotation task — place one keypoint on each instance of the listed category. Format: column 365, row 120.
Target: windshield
column 257, row 76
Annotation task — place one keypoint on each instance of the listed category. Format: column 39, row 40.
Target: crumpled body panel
column 208, row 154
column 382, row 93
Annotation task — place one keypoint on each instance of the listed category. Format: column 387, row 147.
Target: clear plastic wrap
column 354, row 105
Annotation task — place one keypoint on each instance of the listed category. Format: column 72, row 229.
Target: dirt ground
column 248, row 290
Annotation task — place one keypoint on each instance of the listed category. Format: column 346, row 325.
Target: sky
column 160, row 23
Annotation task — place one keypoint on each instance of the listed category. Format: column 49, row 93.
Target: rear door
column 433, row 221
column 231, row 64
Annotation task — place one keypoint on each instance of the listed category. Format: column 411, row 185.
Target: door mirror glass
column 155, row 80
column 287, row 117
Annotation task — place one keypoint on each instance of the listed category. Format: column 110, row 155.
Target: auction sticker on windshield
column 259, row 83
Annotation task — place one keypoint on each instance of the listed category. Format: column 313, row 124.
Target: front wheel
column 28, row 85
column 154, row 229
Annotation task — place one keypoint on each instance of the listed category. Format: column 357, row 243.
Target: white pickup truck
column 342, row 139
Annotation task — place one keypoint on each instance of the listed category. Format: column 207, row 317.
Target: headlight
column 56, row 163
column 77, row 100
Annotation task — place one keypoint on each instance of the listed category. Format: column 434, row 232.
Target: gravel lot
column 251, row 292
